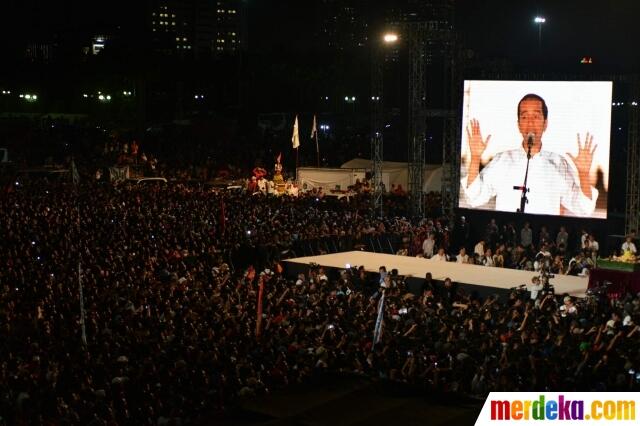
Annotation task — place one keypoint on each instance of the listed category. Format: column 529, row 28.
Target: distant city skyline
column 492, row 28
column 287, row 55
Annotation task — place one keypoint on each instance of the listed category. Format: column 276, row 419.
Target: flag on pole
column 377, row 332
column 314, row 128
column 314, row 133
column 295, row 139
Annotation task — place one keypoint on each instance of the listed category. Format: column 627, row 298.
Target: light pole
column 539, row 20
column 377, row 118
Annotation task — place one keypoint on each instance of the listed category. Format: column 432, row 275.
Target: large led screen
column 564, row 126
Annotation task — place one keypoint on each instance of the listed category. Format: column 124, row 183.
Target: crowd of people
column 505, row 247
column 130, row 304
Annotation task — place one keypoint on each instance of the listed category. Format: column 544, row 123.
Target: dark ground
column 352, row 401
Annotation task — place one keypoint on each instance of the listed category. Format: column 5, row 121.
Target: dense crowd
column 170, row 278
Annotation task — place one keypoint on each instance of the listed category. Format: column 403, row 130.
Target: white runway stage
column 467, row 274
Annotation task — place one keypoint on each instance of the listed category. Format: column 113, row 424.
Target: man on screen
column 552, row 182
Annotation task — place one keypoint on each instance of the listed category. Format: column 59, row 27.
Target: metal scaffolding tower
column 377, row 118
column 451, row 143
column 632, row 216
column 417, row 34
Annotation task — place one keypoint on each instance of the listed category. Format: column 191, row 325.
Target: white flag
column 314, row 128
column 295, row 139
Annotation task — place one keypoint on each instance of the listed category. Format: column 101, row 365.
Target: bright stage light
column 390, row 38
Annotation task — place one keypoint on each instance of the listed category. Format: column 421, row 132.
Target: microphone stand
column 523, row 188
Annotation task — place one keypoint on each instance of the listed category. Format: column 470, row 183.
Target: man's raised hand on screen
column 477, row 145
column 585, row 155
column 583, row 162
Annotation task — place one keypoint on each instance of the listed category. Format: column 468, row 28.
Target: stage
column 472, row 275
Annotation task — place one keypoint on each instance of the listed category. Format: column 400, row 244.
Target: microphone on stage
column 530, row 137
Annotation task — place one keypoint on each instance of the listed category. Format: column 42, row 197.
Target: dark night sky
column 604, row 29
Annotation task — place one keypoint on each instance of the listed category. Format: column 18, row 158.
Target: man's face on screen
column 531, row 119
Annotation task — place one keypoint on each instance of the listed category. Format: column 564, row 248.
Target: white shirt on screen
column 551, row 183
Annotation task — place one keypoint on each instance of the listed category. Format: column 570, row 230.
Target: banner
column 118, row 174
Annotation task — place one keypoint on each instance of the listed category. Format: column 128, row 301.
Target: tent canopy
column 393, row 174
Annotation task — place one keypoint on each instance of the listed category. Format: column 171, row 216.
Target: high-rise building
column 347, row 24
column 343, row 24
column 198, row 28
column 231, row 31
column 39, row 52
column 439, row 17
column 171, row 27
